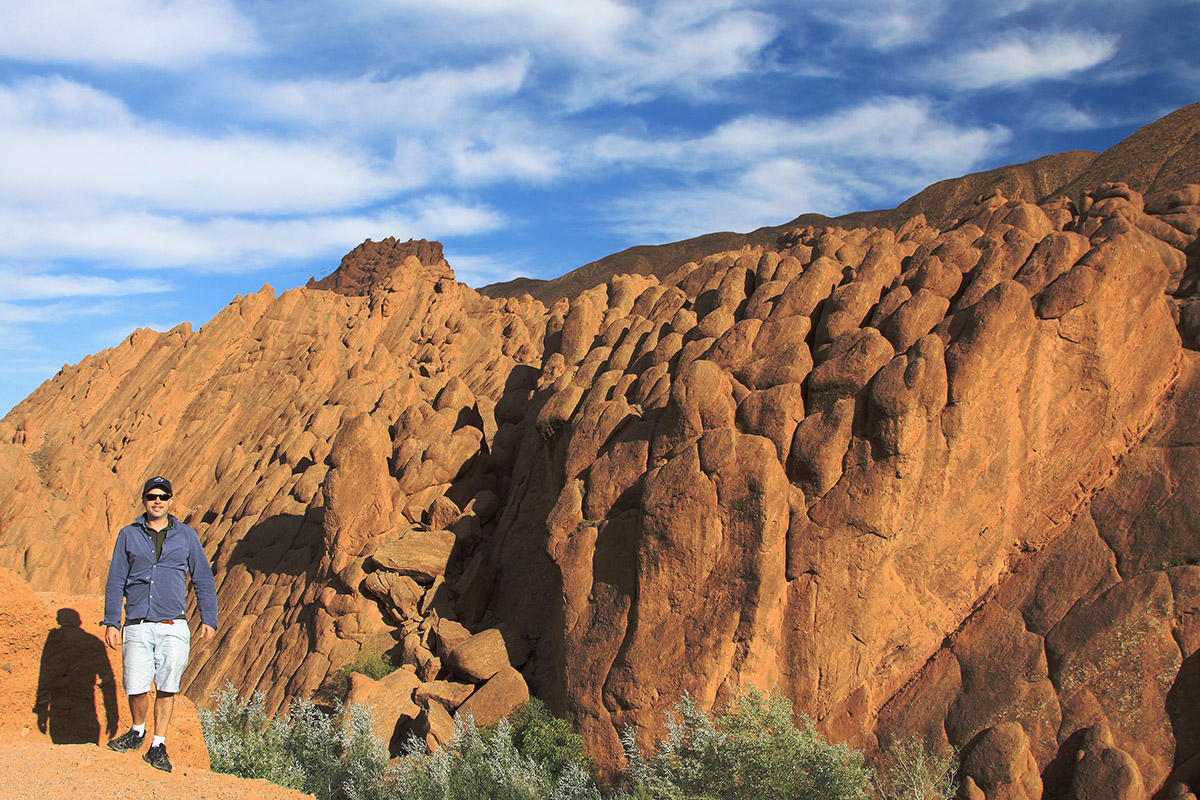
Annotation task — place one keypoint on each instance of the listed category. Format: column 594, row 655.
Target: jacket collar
column 141, row 522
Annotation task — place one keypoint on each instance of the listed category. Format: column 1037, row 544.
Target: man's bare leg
column 139, row 704
column 164, row 704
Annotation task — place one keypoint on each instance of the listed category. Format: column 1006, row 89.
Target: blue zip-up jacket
column 153, row 588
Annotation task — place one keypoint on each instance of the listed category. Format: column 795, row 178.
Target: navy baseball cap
column 158, row 482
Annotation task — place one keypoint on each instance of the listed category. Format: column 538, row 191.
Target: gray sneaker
column 130, row 740
column 156, row 757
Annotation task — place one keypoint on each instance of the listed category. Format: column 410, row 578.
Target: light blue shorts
column 155, row 652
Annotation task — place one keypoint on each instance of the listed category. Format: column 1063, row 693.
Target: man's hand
column 207, row 633
column 112, row 637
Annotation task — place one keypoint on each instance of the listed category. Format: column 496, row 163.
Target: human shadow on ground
column 74, row 662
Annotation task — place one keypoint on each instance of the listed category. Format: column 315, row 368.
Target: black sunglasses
column 157, row 496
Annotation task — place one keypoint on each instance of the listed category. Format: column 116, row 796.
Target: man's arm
column 114, row 592
column 205, row 587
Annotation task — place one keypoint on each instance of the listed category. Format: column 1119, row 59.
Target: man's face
column 157, row 503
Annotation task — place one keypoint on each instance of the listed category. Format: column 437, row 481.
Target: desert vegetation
column 753, row 749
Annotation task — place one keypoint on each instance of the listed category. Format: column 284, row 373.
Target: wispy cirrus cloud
column 604, row 51
column 479, row 270
column 83, row 177
column 1066, row 116
column 885, row 130
column 1023, row 57
column 68, row 144
column 31, row 282
column 882, row 24
column 423, row 101
column 170, row 34
column 747, row 171
column 142, row 240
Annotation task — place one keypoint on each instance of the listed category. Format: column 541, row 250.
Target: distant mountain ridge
column 1162, row 154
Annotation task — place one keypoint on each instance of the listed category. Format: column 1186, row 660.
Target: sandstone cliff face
column 830, row 453
column 858, row 466
column 1091, row 644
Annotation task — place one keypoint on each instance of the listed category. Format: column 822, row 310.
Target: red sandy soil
column 61, row 700
column 38, row 769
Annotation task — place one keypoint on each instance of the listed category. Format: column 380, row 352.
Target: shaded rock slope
column 928, row 479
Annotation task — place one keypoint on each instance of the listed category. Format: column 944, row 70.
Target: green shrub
column 333, row 756
column 753, row 750
column 485, row 765
column 242, row 740
column 548, row 740
column 372, row 663
column 909, row 771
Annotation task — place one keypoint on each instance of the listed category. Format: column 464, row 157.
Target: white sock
column 141, row 729
column 157, row 740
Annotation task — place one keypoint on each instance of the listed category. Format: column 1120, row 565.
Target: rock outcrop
column 930, row 480
column 306, row 434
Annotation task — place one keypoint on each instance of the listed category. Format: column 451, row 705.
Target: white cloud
column 756, row 171
column 611, row 51
column 143, row 240
column 495, row 155
column 583, row 26
column 426, row 101
column 20, row 319
column 31, row 283
column 68, row 146
column 885, row 130
column 61, row 104
column 1021, row 57
column 674, row 52
column 161, row 33
column 770, row 193
column 1064, row 116
column 882, row 24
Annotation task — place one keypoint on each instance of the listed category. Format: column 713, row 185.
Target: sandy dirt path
column 38, row 769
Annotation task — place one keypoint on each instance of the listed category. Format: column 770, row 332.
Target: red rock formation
column 303, row 432
column 831, row 544
column 920, row 479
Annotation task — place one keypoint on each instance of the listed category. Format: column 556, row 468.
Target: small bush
column 548, row 740
column 753, row 750
column 372, row 663
column 909, row 771
column 485, row 765
column 333, row 756
column 242, row 740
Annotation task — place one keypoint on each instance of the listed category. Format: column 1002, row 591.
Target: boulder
column 477, row 658
column 1001, row 765
column 1105, row 771
column 498, row 698
column 448, row 694
column 420, row 555
column 390, row 699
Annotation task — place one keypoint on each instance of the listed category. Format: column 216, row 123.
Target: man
column 150, row 566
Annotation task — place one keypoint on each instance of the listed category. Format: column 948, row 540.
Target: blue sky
column 160, row 157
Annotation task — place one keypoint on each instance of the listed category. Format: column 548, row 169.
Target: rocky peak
column 388, row 263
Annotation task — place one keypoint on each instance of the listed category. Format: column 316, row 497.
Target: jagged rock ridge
column 801, row 466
